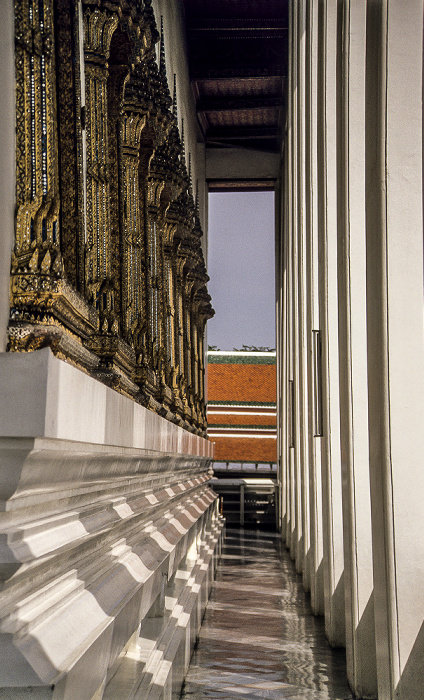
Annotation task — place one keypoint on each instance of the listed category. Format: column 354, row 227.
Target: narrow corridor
column 259, row 638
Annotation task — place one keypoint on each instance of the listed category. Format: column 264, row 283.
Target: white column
column 360, row 634
column 395, row 339
column 281, row 343
column 312, row 307
column 327, row 212
column 7, row 160
column 284, row 425
column 294, row 521
column 302, row 441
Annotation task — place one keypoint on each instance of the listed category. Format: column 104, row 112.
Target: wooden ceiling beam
column 239, row 72
column 241, row 133
column 233, row 103
column 215, row 25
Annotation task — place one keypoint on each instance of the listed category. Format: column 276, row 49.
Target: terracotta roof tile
column 242, row 383
column 243, row 380
column 245, row 449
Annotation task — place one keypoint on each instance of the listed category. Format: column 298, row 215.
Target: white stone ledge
column 99, row 499
column 26, row 539
column 158, row 662
column 66, row 632
column 43, row 396
column 39, row 469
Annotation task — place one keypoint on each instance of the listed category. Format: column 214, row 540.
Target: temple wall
column 351, row 246
column 109, row 532
column 110, row 537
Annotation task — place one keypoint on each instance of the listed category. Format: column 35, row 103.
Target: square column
column 313, row 333
column 294, row 520
column 359, row 597
column 394, row 228
column 328, row 311
column 302, row 302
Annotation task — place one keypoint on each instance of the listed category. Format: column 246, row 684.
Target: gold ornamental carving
column 107, row 267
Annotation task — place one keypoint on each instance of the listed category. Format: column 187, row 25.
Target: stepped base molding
column 109, row 538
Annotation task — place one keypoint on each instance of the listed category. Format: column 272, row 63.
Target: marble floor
column 259, row 638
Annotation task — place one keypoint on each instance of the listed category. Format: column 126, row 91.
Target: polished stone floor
column 259, row 638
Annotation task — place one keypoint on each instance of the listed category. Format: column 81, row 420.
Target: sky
column 241, row 257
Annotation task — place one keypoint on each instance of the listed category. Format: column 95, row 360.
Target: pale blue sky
column 241, row 268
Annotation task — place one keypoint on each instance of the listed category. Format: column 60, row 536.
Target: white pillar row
column 352, row 268
column 328, row 312
column 394, row 229
column 312, row 311
column 360, row 634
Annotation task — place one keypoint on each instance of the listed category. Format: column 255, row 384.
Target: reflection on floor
column 259, row 639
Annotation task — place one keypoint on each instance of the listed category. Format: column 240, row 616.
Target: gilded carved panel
column 107, row 267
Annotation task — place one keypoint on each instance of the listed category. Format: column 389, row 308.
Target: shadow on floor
column 259, row 638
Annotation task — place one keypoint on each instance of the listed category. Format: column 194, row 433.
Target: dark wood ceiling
column 238, row 65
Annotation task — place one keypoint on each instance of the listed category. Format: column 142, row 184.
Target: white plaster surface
column 84, row 579
column 46, row 397
column 359, row 584
column 99, row 499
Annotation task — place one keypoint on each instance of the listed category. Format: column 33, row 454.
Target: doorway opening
column 241, row 377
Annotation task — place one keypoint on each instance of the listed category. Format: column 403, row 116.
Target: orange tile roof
column 245, row 449
column 238, row 382
column 244, row 389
